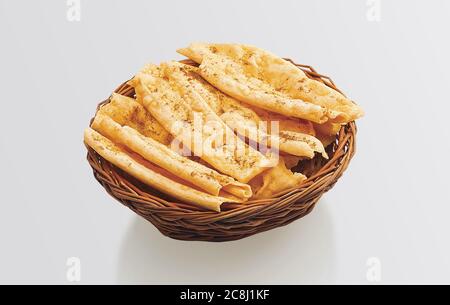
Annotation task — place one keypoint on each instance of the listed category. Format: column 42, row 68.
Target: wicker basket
column 186, row 222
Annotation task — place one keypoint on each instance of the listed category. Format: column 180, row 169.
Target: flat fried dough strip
column 268, row 81
column 228, row 76
column 276, row 180
column 286, row 123
column 244, row 120
column 327, row 132
column 126, row 111
column 201, row 176
column 148, row 175
column 189, row 119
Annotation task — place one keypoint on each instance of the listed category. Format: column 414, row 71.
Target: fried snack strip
column 244, row 120
column 126, row 111
column 327, row 132
column 276, row 180
column 150, row 174
column 285, row 123
column 267, row 81
column 190, row 120
column 201, row 176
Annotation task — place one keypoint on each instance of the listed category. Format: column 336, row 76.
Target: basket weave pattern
column 186, row 222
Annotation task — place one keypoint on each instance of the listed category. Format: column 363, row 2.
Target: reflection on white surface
column 302, row 252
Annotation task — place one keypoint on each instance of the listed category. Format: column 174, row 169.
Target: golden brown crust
column 126, row 111
column 179, row 109
column 149, row 174
column 291, row 135
column 276, row 180
column 199, row 175
column 327, row 132
column 235, row 88
column 267, row 81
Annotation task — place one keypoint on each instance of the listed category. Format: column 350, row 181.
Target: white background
column 393, row 202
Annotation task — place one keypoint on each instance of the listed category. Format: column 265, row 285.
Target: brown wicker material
column 186, row 222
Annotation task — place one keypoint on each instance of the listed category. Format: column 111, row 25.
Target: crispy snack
column 327, row 132
column 286, row 123
column 201, row 176
column 191, row 121
column 150, row 174
column 264, row 80
column 291, row 161
column 245, row 120
column 289, row 136
column 276, row 180
column 126, row 111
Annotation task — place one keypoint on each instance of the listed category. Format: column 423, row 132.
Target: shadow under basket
column 183, row 221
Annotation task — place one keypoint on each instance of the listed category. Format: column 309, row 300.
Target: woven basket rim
column 126, row 189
